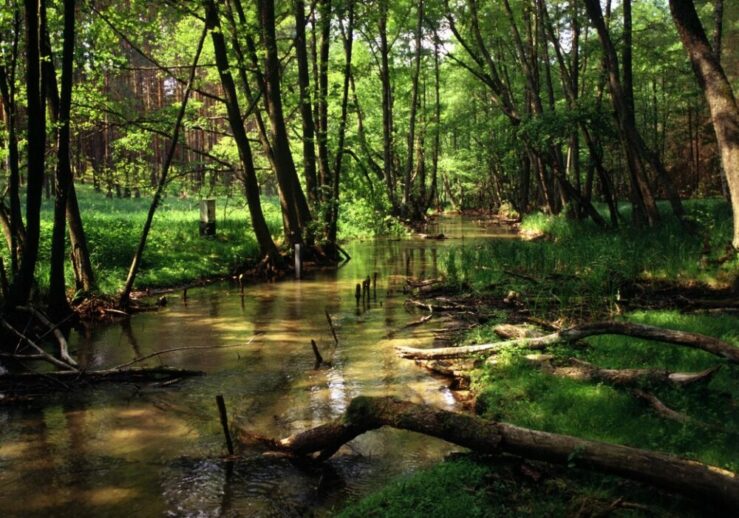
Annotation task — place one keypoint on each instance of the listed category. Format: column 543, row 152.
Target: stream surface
column 123, row 450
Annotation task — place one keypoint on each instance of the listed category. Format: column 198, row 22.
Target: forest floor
column 574, row 273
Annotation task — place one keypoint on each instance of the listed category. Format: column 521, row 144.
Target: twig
column 175, row 349
column 331, row 325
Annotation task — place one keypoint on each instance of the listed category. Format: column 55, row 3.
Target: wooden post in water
column 374, row 286
column 241, row 284
column 224, row 423
column 298, row 261
column 208, row 218
column 331, row 325
column 358, row 293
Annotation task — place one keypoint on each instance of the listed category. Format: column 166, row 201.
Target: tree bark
column 7, row 93
column 685, row 476
column 718, row 93
column 57, row 288
column 309, row 129
column 407, row 188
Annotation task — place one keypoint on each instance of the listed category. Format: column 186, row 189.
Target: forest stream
column 123, row 450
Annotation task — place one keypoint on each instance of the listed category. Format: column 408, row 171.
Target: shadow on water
column 127, row 450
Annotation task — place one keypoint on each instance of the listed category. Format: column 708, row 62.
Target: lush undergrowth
column 580, row 268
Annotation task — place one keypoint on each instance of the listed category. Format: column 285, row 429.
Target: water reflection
column 122, row 450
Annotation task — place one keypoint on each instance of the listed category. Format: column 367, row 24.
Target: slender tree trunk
column 645, row 207
column 387, row 108
column 324, row 7
column 334, row 208
column 7, row 94
column 407, row 187
column 57, row 287
column 20, row 290
column 719, row 95
column 296, row 206
column 437, row 130
column 136, row 261
column 309, row 149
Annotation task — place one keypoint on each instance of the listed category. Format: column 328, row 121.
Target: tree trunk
column 324, row 7
column 387, row 108
column 20, row 290
column 309, row 131
column 7, row 93
column 294, row 203
column 57, row 288
column 685, row 476
column 407, row 187
column 719, row 95
column 334, row 207
column 693, row 340
column 267, row 247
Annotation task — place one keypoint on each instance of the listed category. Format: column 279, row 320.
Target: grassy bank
column 576, row 268
column 175, row 253
column 573, row 273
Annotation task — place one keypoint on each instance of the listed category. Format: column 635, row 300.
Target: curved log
column 709, row 483
column 694, row 340
column 586, row 371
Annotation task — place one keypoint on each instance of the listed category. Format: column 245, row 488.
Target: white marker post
column 298, row 262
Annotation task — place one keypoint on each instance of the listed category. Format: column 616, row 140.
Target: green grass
column 174, row 254
column 474, row 486
column 581, row 268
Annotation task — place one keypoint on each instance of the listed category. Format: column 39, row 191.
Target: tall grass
column 580, row 266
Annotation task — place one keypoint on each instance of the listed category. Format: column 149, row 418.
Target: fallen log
column 694, row 340
column 585, row 371
column 661, row 408
column 677, row 474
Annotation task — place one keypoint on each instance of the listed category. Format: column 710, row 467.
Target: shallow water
column 119, row 450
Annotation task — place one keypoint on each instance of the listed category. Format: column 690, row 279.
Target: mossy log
column 694, row 340
column 677, row 474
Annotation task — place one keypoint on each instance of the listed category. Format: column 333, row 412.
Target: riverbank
column 569, row 274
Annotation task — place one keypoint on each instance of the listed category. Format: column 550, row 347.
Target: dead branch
column 661, row 408
column 54, row 328
column 573, row 334
column 33, row 345
column 708, row 483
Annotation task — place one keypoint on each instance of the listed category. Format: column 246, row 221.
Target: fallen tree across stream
column 694, row 340
column 677, row 474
